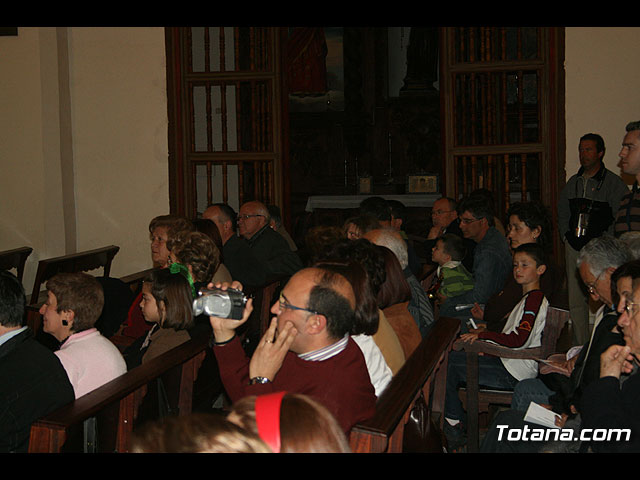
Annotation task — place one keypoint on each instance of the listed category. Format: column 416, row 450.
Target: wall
column 83, row 151
column 602, row 76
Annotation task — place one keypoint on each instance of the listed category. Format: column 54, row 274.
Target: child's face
column 149, row 306
column 525, row 269
column 438, row 254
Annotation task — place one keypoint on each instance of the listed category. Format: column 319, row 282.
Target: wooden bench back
column 75, row 262
column 115, row 404
column 424, row 372
column 15, row 258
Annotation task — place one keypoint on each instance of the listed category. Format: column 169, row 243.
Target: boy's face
column 525, row 269
column 438, row 254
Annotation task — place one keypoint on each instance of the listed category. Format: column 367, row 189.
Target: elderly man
column 306, row 349
column 267, row 245
column 238, row 257
column 491, row 258
column 610, row 404
column 419, row 305
column 33, row 382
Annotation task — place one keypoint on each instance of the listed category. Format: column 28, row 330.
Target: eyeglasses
column 628, row 307
column 469, row 220
column 284, row 303
column 245, row 217
column 591, row 287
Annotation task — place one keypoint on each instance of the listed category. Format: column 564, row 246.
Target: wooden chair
column 15, row 258
column 116, row 404
column 75, row 262
column 422, row 377
column 478, row 399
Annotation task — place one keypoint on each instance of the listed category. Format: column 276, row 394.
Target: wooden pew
column 15, row 258
column 115, row 405
column 424, row 373
column 75, row 262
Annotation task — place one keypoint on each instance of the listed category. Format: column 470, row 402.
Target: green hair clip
column 184, row 271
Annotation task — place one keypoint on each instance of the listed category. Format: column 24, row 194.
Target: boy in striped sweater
column 452, row 278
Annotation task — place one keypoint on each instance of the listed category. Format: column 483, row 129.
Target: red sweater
column 340, row 383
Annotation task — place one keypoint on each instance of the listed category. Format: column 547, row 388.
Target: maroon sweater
column 340, row 383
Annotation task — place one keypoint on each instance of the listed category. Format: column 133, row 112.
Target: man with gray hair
column 628, row 216
column 419, row 305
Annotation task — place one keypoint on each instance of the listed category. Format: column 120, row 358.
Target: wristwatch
column 255, row 380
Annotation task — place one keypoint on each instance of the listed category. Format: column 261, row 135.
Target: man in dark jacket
column 586, row 210
column 33, row 382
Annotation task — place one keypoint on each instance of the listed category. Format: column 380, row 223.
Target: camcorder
column 220, row 303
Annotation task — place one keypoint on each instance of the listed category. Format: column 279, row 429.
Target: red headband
column 268, row 419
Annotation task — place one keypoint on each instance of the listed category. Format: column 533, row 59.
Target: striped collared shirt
column 326, row 352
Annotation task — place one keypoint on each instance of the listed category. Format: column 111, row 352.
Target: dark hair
column 319, row 241
column 366, row 314
column 534, row 251
column 274, row 213
column 453, row 246
column 599, row 141
column 377, row 207
column 398, row 209
column 80, row 293
column 173, row 223
column 365, row 253
column 174, row 291
column 325, row 299
column 364, row 223
column 13, row 301
column 395, row 288
column 209, row 228
column 632, row 126
column 534, row 215
column 629, row 269
column 228, row 213
column 478, row 206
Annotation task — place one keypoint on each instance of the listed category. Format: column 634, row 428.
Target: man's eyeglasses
column 591, row 287
column 440, row 212
column 284, row 303
column 629, row 308
column 245, row 217
column 469, row 220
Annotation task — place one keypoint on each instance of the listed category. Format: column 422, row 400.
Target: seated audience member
column 195, row 433
column 311, row 354
column 206, row 226
column 393, row 300
column 486, row 195
column 560, row 388
column 529, row 222
column 398, row 221
column 419, row 304
column 491, row 257
column 365, row 322
column 74, row 302
column 610, row 403
column 167, row 305
column 290, row 423
column 366, row 254
column 319, row 242
column 198, row 253
column 238, row 257
column 162, row 229
column 33, row 382
column 444, row 219
column 275, row 222
column 632, row 241
column 355, row 227
column 451, row 278
column 522, row 330
column 269, row 247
